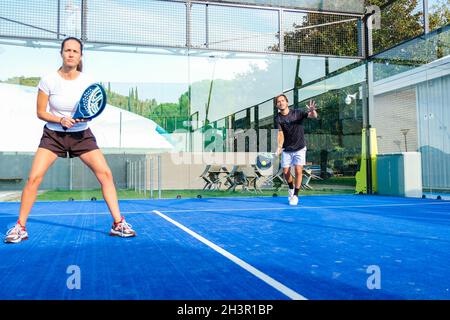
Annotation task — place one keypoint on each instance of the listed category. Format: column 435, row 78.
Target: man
column 291, row 142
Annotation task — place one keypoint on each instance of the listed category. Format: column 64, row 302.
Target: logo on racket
column 92, row 102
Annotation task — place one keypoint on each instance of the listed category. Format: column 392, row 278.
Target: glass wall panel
column 410, row 99
column 171, row 113
column 334, row 148
column 223, row 83
column 412, row 54
column 147, row 95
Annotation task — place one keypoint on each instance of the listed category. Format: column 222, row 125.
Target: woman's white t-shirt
column 63, row 96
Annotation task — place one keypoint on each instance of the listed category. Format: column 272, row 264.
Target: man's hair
column 281, row 95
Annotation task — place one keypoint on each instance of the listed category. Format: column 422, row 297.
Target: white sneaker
column 16, row 234
column 122, row 229
column 291, row 193
column 293, row 201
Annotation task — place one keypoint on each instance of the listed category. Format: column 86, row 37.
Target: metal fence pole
column 135, row 177
column 159, row 177
column 139, row 176
column 151, row 177
column 145, row 177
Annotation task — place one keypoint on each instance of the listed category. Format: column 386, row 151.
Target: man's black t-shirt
column 292, row 127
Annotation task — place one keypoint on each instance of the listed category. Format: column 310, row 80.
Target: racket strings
column 93, row 101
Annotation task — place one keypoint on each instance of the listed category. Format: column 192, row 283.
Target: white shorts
column 296, row 158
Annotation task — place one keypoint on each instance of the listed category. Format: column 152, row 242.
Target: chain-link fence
column 184, row 24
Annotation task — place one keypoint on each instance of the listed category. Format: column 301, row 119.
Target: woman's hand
column 67, row 122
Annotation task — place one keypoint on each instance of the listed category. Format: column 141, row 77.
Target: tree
column 440, row 14
column 399, row 22
column 318, row 33
column 24, row 81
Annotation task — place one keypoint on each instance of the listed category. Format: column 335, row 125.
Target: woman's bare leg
column 43, row 159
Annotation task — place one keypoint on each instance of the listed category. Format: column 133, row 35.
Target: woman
column 64, row 135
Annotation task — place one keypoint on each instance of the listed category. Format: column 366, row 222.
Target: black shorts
column 72, row 143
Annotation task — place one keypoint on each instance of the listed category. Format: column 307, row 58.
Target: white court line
column 264, row 277
column 304, row 207
column 300, row 207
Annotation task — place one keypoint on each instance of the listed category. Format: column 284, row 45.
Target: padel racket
column 92, row 102
column 265, row 160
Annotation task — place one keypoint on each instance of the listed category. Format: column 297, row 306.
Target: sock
column 18, row 222
column 296, row 191
column 291, row 185
column 116, row 223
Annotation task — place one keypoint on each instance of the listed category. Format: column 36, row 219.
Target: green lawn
column 63, row 195
column 343, row 181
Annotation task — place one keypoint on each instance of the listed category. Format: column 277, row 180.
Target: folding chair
column 251, row 178
column 225, row 178
column 205, row 177
column 244, row 176
column 277, row 179
column 214, row 173
column 307, row 176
